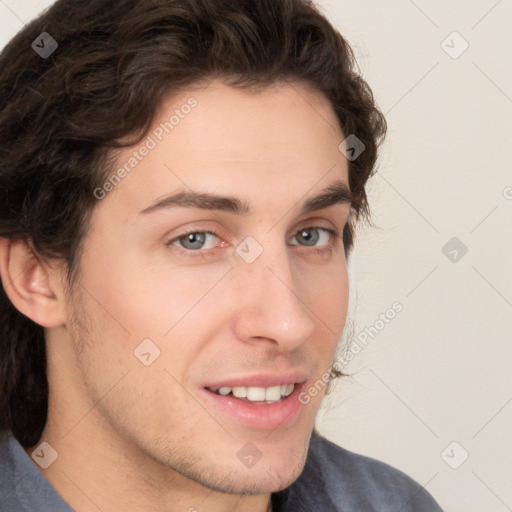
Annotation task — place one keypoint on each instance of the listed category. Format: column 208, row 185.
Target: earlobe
column 33, row 287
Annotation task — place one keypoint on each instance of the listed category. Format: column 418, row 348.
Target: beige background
column 440, row 371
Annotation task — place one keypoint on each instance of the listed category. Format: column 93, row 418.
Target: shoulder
column 22, row 486
column 339, row 480
column 7, row 463
column 7, row 468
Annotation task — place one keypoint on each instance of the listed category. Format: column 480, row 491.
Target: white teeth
column 258, row 394
column 240, row 392
column 273, row 394
column 255, row 394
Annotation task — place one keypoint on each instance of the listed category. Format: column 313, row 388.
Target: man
column 180, row 183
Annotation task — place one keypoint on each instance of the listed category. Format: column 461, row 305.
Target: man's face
column 219, row 313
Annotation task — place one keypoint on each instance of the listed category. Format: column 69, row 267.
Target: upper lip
column 262, row 380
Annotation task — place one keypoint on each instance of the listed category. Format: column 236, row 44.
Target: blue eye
column 313, row 237
column 201, row 241
column 196, row 240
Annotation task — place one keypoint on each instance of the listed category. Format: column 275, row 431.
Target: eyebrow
column 337, row 193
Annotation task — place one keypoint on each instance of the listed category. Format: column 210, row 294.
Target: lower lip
column 259, row 416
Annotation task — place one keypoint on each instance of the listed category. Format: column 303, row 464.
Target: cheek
column 132, row 374
column 325, row 291
column 150, row 299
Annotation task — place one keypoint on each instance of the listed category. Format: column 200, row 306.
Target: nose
column 270, row 307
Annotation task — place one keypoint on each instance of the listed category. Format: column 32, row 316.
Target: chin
column 274, row 471
column 263, row 480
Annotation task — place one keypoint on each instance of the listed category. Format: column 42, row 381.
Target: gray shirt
column 333, row 480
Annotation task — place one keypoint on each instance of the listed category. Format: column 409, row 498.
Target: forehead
column 280, row 141
column 275, row 120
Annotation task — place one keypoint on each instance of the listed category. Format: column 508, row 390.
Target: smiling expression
column 223, row 250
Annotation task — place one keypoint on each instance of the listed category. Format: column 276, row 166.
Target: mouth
column 257, row 402
column 256, row 394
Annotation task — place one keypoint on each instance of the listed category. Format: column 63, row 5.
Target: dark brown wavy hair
column 62, row 117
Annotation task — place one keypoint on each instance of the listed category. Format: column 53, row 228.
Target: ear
column 34, row 288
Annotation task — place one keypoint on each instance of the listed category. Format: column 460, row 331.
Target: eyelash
column 334, row 234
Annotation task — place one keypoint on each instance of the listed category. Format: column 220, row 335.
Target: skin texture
column 143, row 438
